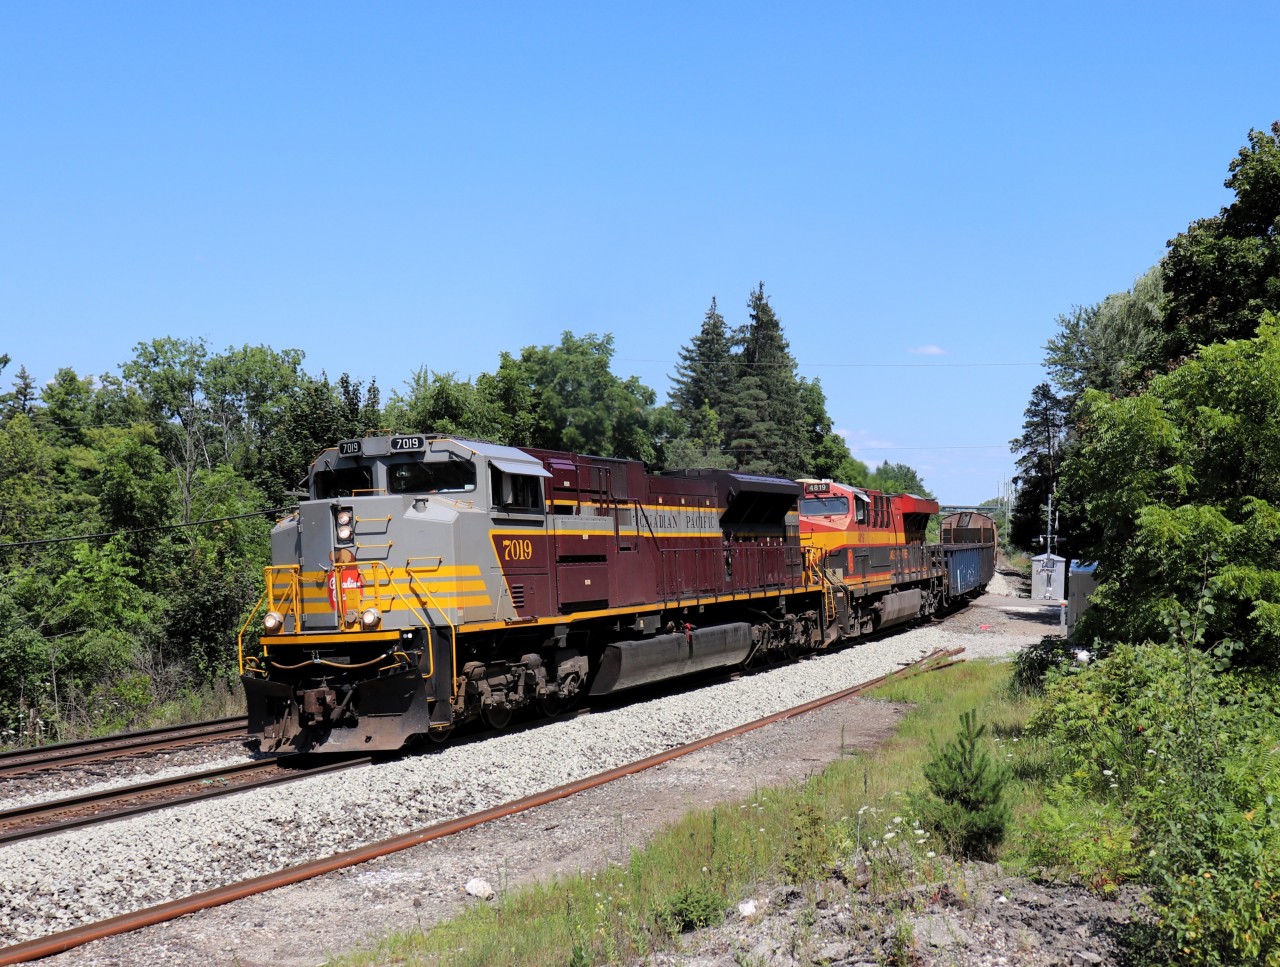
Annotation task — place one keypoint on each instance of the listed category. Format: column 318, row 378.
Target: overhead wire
column 143, row 530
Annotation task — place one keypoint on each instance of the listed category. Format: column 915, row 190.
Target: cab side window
column 513, row 491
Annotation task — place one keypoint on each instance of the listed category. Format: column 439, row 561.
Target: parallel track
column 20, row 761
column 41, row 819
column 69, row 939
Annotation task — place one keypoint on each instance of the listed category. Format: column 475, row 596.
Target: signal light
column 345, row 520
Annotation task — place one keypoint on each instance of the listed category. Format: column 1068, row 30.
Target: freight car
column 429, row 581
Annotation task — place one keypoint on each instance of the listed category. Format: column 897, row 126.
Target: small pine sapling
column 965, row 807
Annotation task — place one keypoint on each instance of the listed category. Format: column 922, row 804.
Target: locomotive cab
column 369, row 581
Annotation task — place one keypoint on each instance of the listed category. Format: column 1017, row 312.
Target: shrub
column 1191, row 759
column 1033, row 664
column 692, row 908
column 1081, row 837
column 966, row 808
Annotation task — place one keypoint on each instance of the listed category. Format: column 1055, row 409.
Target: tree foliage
column 1181, row 489
column 737, row 402
column 1223, row 272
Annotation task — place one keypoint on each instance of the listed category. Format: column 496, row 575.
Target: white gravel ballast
column 57, row 882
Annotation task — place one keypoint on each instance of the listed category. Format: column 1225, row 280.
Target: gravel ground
column 37, row 787
column 56, row 882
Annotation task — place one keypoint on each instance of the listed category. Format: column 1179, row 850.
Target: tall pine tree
column 765, row 418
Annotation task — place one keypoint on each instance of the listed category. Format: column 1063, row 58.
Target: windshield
column 824, row 506
column 453, row 476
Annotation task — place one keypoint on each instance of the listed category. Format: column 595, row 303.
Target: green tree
column 314, row 416
column 22, row 399
column 579, row 404
column 28, row 493
column 827, row 450
column 705, row 372
column 68, row 406
column 1105, row 346
column 1039, row 449
column 1224, row 271
column 1181, row 486
column 245, row 390
column 898, row 478
column 765, row 416
column 966, row 806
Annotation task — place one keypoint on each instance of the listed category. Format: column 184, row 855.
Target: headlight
column 344, row 517
column 345, row 532
column 371, row 618
column 272, row 622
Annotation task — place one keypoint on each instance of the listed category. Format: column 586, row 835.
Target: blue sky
column 392, row 186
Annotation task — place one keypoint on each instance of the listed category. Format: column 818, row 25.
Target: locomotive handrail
column 453, row 631
column 392, row 594
column 292, row 594
column 245, row 627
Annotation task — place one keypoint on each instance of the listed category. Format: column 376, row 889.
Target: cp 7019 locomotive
column 429, row 581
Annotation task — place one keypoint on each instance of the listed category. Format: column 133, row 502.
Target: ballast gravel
column 58, row 882
column 53, row 785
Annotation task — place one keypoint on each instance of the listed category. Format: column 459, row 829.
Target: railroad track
column 69, row 939
column 19, row 761
column 76, row 812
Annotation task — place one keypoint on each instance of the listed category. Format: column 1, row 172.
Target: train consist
column 429, row 581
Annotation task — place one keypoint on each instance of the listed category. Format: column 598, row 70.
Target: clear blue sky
column 388, row 186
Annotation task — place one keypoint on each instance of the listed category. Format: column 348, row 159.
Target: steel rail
column 20, row 761
column 68, row 939
column 52, row 807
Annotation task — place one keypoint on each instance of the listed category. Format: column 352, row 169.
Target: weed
column 807, row 854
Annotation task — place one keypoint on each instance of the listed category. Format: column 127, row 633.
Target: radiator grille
column 517, row 595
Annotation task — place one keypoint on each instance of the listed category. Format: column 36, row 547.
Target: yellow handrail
column 291, row 601
column 245, row 627
column 453, row 631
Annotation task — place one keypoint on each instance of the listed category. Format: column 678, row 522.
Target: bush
column 692, row 908
column 1191, row 759
column 966, row 808
column 1082, row 837
column 1033, row 664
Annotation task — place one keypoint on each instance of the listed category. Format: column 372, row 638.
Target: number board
column 817, row 488
column 349, row 448
column 407, row 443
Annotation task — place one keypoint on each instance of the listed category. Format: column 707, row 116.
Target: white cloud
column 864, row 440
column 928, row 350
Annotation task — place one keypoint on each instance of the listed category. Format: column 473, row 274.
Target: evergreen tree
column 22, row 399
column 1039, row 448
column 967, row 807
column 704, row 374
column 765, row 422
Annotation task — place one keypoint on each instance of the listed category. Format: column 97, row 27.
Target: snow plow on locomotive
column 429, row 581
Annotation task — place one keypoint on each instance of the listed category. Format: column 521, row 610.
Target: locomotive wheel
column 440, row 736
column 496, row 716
column 554, row 705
